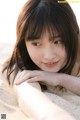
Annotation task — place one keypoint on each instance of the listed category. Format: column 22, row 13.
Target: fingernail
column 28, row 81
column 16, row 83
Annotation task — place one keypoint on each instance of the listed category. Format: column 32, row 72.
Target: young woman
column 45, row 55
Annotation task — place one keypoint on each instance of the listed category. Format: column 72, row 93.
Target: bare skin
column 36, row 105
column 69, row 82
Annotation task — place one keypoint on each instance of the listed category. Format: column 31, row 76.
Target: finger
column 24, row 76
column 34, row 79
column 22, row 79
column 21, row 74
column 18, row 83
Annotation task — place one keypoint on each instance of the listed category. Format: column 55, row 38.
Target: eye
column 57, row 42
column 36, row 44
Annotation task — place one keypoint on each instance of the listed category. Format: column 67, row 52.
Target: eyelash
column 36, row 44
column 57, row 42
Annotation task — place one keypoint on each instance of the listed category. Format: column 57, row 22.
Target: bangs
column 43, row 18
column 36, row 30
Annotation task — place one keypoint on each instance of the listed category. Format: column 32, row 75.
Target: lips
column 50, row 64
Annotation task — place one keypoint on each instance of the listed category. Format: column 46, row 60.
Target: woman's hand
column 47, row 78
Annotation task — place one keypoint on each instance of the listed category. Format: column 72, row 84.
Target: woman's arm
column 70, row 82
column 37, row 106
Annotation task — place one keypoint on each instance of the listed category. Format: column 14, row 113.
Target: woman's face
column 47, row 52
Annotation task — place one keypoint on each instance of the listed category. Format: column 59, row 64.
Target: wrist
column 64, row 80
column 61, row 79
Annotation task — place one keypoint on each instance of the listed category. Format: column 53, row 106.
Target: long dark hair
column 36, row 16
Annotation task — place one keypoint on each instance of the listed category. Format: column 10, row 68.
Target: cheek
column 34, row 54
column 62, row 53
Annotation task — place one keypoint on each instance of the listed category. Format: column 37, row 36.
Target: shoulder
column 76, row 69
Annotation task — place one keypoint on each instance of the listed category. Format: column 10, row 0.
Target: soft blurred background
column 9, row 10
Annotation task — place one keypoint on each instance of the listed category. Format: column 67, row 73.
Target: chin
column 47, row 70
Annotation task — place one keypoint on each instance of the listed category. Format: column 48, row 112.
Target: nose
column 49, row 54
